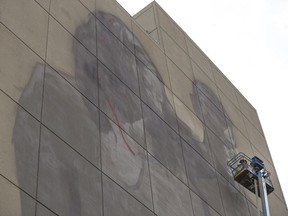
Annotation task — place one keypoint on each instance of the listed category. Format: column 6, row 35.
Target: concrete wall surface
column 103, row 114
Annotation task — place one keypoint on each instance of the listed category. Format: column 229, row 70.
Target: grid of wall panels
column 97, row 119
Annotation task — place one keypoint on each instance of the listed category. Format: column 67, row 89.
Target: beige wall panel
column 17, row 62
column 155, row 59
column 200, row 207
column 177, row 55
column 277, row 208
column 44, row 3
column 146, row 19
column 252, row 202
column 202, row 178
column 234, row 115
column 241, row 143
column 171, row 197
column 59, row 50
column 253, row 209
column 28, row 21
column 257, row 139
column 199, row 58
column 155, row 36
column 192, row 130
column 275, row 181
column 201, row 76
column 13, row 201
column 191, row 120
column 249, row 111
column 72, row 14
column 181, row 86
column 225, row 86
column 171, row 28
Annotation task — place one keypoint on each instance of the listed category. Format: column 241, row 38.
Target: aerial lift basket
column 245, row 170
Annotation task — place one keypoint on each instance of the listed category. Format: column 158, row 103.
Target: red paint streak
column 116, row 118
column 118, row 124
column 98, row 72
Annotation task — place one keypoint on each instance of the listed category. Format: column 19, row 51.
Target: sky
column 248, row 41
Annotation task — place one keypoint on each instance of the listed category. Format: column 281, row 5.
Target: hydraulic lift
column 252, row 174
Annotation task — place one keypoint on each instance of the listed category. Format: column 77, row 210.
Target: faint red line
column 118, row 124
column 116, row 118
column 98, row 74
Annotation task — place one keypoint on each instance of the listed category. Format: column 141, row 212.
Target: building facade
column 106, row 114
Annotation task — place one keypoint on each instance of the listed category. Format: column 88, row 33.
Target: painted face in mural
column 118, row 102
column 209, row 104
column 215, row 117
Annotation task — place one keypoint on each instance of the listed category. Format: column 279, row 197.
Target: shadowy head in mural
column 221, row 137
column 213, row 113
column 126, row 163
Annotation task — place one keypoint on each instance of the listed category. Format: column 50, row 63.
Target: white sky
column 248, row 41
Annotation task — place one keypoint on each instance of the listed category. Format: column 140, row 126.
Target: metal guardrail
column 245, row 173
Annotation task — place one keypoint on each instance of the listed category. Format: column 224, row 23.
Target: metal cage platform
column 245, row 172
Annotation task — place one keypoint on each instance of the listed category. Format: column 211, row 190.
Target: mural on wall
column 114, row 84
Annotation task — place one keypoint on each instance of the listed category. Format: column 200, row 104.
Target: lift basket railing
column 245, row 170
